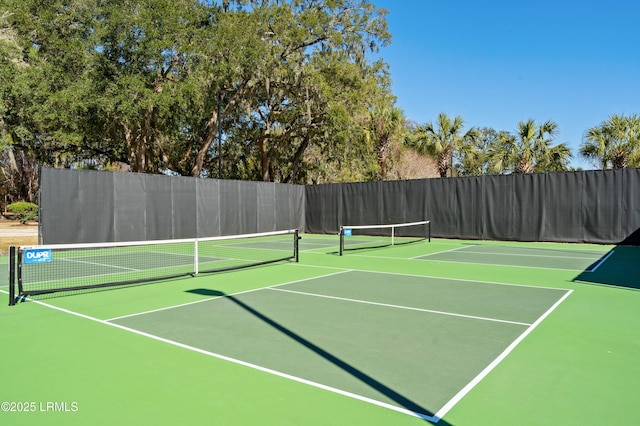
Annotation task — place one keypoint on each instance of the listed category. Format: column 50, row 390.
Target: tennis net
column 359, row 237
column 46, row 269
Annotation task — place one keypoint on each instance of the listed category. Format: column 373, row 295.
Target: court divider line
column 409, row 308
column 465, row 390
column 217, row 297
column 242, row 363
column 426, row 276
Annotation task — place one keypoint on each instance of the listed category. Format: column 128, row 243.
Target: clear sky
column 495, row 63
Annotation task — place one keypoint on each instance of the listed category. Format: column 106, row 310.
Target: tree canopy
column 529, row 150
column 441, row 139
column 153, row 85
column 272, row 90
column 615, row 143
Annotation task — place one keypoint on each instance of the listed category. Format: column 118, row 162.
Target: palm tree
column 529, row 150
column 473, row 156
column 385, row 126
column 614, row 144
column 440, row 140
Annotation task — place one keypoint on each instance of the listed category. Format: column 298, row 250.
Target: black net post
column 429, row 230
column 341, row 240
column 18, row 271
column 296, row 247
column 12, row 276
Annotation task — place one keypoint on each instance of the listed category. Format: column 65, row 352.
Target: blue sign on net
column 36, row 256
column 346, row 232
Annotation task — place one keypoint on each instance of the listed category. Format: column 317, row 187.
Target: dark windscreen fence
column 565, row 199
column 590, row 206
column 631, row 229
column 601, row 220
column 361, row 203
column 184, row 210
column 323, row 208
column 85, row 206
column 58, row 268
column 132, row 200
column 396, row 206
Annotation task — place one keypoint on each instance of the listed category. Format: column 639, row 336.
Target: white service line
column 453, row 314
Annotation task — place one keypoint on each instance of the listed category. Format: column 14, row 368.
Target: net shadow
column 370, row 381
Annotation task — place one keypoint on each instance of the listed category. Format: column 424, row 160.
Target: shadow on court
column 353, row 371
column 619, row 267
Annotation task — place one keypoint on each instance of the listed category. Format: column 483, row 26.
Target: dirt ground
column 13, row 233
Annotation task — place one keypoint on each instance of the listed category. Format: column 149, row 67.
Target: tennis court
column 446, row 332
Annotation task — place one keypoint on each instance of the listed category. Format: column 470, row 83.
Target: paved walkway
column 18, row 230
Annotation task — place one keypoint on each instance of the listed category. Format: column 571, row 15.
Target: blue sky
column 496, row 63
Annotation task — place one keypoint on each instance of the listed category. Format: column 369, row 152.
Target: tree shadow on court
column 619, row 267
column 401, row 400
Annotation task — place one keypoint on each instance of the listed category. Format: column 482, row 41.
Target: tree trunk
column 264, row 157
column 444, row 162
column 383, row 148
column 297, row 160
column 212, row 130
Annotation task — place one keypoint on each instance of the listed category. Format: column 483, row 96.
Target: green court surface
column 447, row 332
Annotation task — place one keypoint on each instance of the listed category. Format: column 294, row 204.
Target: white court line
column 465, row 390
column 243, row 363
column 85, row 262
column 548, row 246
column 522, row 255
column 427, row 276
column 80, row 277
column 440, row 252
column 109, row 265
column 435, row 418
column 418, row 258
column 601, row 262
column 387, row 305
column 507, row 265
column 217, row 297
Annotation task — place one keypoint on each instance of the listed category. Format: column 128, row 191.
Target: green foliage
column 529, row 150
column 385, row 126
column 472, row 158
column 615, row 143
column 149, row 84
column 24, row 211
column 286, row 85
column 441, row 140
